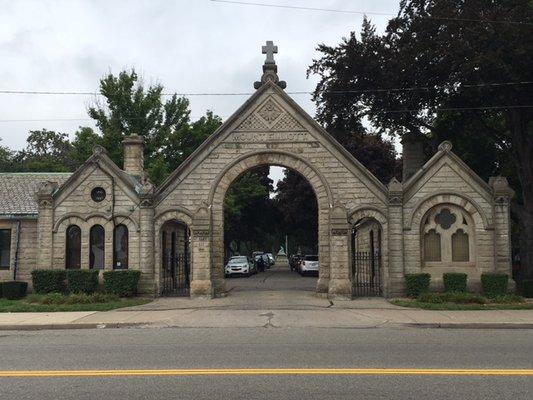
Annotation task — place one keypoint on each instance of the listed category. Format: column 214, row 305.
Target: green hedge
column 527, row 288
column 494, row 284
column 415, row 284
column 122, row 283
column 454, row 282
column 82, row 280
column 49, row 280
column 13, row 290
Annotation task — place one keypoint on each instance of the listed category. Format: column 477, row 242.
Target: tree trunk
column 522, row 143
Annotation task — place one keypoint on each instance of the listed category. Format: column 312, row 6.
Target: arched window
column 97, row 247
column 447, row 233
column 460, row 246
column 432, row 246
column 120, row 247
column 73, row 247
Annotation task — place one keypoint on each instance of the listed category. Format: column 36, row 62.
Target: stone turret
column 134, row 155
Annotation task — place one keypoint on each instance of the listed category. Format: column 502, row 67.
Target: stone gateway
column 442, row 217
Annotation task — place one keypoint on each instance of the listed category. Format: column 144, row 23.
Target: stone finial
column 97, row 150
column 446, row 146
column 270, row 69
column 395, row 192
column 45, row 194
column 501, row 188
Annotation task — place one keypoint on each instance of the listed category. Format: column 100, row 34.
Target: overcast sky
column 186, row 45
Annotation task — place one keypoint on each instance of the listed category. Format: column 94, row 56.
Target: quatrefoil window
column 445, row 218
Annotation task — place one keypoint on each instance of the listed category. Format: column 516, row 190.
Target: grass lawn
column 461, row 306
column 24, row 305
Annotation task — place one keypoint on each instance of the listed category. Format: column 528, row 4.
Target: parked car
column 309, row 265
column 240, row 265
column 271, row 259
column 294, row 261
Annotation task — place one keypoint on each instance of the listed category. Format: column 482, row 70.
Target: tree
column 46, row 151
column 443, row 60
column 297, row 203
column 6, row 159
column 128, row 108
column 85, row 139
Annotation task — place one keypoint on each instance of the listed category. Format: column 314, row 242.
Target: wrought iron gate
column 175, row 279
column 366, row 274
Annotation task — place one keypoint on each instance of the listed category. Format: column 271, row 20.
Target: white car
column 239, row 265
column 271, row 259
column 309, row 265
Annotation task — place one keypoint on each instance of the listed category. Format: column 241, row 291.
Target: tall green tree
column 444, row 60
column 127, row 108
column 6, row 159
column 46, row 151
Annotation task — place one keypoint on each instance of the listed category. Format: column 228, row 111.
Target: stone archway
column 249, row 161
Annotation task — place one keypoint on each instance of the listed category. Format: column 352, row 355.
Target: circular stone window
column 98, row 194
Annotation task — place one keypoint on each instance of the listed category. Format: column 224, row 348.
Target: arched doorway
column 277, row 158
column 271, row 218
column 175, row 254
column 367, row 257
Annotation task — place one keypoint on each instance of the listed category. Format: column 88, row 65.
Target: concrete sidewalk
column 269, row 310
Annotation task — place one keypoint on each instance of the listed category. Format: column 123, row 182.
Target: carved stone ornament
column 339, row 232
column 446, row 146
column 270, row 69
column 202, row 234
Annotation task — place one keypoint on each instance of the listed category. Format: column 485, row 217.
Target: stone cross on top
column 270, row 50
column 270, row 69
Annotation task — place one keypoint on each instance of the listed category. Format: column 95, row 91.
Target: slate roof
column 17, row 190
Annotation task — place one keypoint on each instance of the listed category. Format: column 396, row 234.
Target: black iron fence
column 175, row 280
column 366, row 274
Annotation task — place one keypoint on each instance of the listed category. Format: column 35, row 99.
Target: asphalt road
column 170, row 348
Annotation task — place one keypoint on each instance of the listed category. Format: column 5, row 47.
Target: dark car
column 294, row 261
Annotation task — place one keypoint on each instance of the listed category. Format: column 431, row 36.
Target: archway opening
column 175, row 258
column 271, row 231
column 367, row 263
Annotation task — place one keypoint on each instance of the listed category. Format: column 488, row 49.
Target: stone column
column 396, row 268
column 340, row 284
column 201, row 284
column 502, row 225
column 147, row 240
column 45, row 225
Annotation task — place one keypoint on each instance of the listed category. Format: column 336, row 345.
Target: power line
column 247, row 3
column 517, row 106
column 301, row 92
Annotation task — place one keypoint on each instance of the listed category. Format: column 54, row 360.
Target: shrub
column 494, row 284
column 451, row 297
column 508, row 298
column 49, row 280
column 13, row 290
column 82, row 280
column 416, row 284
column 454, row 282
column 122, row 283
column 78, row 298
column 53, row 298
column 104, row 297
column 527, row 288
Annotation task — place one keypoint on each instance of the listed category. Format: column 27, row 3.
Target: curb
column 42, row 327
column 470, row 325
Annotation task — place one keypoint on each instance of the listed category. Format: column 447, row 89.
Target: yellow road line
column 265, row 371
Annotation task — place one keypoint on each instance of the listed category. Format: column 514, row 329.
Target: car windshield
column 237, row 260
column 311, row 258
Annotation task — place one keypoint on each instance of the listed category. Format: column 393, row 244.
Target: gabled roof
column 101, row 159
column 248, row 103
column 445, row 150
column 18, row 191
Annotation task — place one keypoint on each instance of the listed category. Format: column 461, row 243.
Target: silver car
column 309, row 265
column 239, row 265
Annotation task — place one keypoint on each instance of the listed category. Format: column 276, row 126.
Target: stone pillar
column 396, row 268
column 147, row 283
column 502, row 224
column 45, row 225
column 412, row 156
column 340, row 284
column 201, row 284
column 134, row 155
